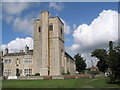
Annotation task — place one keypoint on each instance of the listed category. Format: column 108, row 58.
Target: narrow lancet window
column 39, row 29
column 51, row 27
column 61, row 31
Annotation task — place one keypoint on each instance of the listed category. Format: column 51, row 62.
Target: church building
column 48, row 56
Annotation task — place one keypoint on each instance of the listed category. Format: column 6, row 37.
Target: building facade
column 48, row 56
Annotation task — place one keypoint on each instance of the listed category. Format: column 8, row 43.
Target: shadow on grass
column 116, row 82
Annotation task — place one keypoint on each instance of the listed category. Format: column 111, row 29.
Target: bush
column 65, row 74
column 93, row 72
column 82, row 72
column 28, row 75
column 68, row 73
column 37, row 74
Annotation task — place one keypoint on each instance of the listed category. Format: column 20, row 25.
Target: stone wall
column 52, row 77
column 70, row 64
column 48, row 56
column 21, row 66
column 37, row 52
column 48, row 45
column 30, row 77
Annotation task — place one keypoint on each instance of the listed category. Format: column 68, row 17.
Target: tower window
column 61, row 30
column 51, row 27
column 39, row 29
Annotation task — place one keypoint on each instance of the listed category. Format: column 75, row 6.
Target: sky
column 87, row 25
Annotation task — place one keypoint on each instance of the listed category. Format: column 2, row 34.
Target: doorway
column 17, row 72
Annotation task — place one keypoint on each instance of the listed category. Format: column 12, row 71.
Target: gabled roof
column 92, row 67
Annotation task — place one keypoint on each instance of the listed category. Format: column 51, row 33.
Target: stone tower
column 48, row 54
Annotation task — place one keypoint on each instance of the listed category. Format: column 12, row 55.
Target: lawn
column 65, row 83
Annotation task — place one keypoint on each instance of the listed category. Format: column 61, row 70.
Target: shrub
column 93, row 72
column 65, row 74
column 82, row 72
column 37, row 74
column 28, row 75
column 68, row 73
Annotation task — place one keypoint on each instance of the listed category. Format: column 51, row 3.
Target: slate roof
column 30, row 52
column 69, row 55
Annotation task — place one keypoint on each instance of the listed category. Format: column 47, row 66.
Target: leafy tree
column 102, row 55
column 80, row 63
column 114, row 62
column 117, row 62
column 109, row 61
column 93, row 72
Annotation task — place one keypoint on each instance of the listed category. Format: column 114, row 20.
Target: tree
column 93, row 72
column 102, row 55
column 117, row 62
column 114, row 62
column 80, row 63
column 109, row 61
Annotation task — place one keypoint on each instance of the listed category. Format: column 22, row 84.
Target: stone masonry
column 48, row 56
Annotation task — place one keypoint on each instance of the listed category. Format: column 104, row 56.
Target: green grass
column 65, row 83
column 0, row 84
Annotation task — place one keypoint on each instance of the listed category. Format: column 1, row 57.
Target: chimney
column 6, row 51
column 26, row 49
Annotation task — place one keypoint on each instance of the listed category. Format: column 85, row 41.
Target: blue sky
column 73, row 14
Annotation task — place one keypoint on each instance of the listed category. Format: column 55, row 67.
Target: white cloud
column 23, row 25
column 96, row 35
column 66, row 27
column 75, row 47
column 88, row 58
column 57, row 6
column 18, row 44
column 13, row 8
column 102, row 29
column 9, row 19
column 20, row 24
